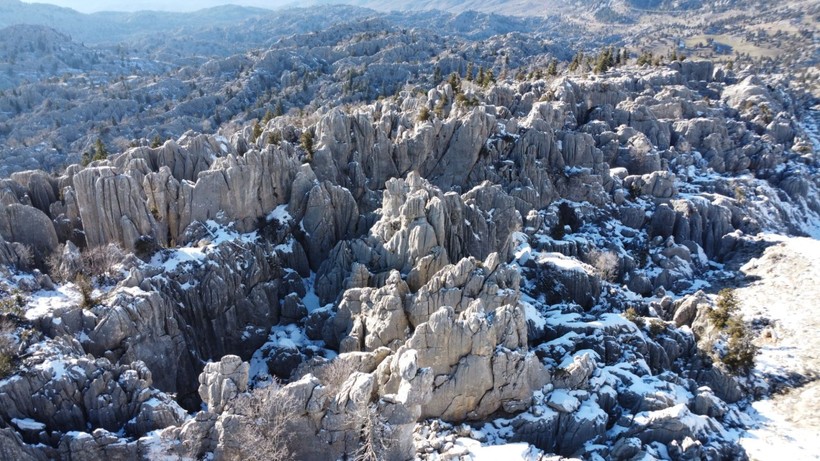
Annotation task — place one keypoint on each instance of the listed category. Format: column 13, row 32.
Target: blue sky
column 90, row 6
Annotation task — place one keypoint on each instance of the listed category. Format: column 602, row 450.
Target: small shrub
column 275, row 137
column 86, row 288
column 558, row 231
column 262, row 432
column 740, row 194
column 632, row 315
column 334, row 373
column 7, row 348
column 100, row 261
column 441, row 105
column 306, row 141
column 656, row 327
column 727, row 305
column 740, row 352
column 424, row 114
column 54, row 265
column 256, row 131
column 606, row 263
column 25, row 256
column 12, row 305
column 376, row 435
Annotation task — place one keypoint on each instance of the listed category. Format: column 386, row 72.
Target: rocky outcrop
column 659, row 184
column 112, row 207
column 40, row 188
column 421, row 230
column 62, row 389
column 331, row 215
column 478, row 366
column 28, row 226
column 193, row 311
column 220, row 382
column 439, row 255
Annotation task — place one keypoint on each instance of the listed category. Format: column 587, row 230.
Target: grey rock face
column 577, row 283
column 13, row 447
column 659, row 184
column 41, row 188
column 89, row 392
column 562, row 432
column 408, row 227
column 687, row 309
column 331, row 215
column 421, row 230
column 112, row 207
column 28, row 226
column 369, row 318
column 220, row 382
column 464, row 375
column 674, row 423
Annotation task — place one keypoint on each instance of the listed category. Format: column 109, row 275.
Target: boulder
column 220, row 382
column 28, row 226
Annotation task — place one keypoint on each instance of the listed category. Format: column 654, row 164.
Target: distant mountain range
column 116, row 27
column 113, row 27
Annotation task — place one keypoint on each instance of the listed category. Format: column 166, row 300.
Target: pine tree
column 552, row 69
column 455, row 83
column 257, row 130
column 489, row 78
column 100, row 152
column 306, row 140
column 440, row 106
column 469, row 76
column 603, row 61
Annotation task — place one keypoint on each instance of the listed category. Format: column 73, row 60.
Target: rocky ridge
column 471, row 267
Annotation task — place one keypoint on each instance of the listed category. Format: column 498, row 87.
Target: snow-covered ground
column 785, row 289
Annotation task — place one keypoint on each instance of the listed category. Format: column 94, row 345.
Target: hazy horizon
column 93, row 6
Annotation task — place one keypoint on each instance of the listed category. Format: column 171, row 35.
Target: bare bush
column 632, row 315
column 25, row 256
column 86, row 288
column 100, row 261
column 334, row 373
column 606, row 263
column 264, row 414
column 376, row 435
column 53, row 262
